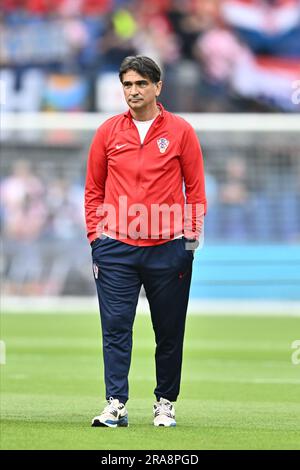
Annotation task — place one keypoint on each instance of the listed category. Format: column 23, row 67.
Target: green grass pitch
column 240, row 389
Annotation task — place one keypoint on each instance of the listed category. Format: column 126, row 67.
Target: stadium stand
column 229, row 55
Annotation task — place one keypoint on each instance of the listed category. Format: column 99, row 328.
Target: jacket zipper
column 138, row 179
column 138, row 175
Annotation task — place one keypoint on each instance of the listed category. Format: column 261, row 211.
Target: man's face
column 139, row 91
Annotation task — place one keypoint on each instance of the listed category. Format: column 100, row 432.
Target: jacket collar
column 158, row 118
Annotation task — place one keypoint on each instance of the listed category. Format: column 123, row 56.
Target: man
column 136, row 166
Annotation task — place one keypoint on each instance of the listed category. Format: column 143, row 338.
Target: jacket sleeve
column 193, row 173
column 95, row 183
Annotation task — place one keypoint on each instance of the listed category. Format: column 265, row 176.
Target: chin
column 137, row 103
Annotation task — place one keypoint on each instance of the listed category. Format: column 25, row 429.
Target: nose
column 134, row 90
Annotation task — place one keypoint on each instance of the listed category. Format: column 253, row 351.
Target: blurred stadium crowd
column 216, row 55
column 43, row 225
column 35, row 206
column 244, row 204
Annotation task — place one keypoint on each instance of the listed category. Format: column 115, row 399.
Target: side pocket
column 190, row 252
column 96, row 243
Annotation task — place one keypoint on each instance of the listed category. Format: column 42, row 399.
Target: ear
column 158, row 88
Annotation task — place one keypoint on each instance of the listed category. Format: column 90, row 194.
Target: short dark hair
column 143, row 65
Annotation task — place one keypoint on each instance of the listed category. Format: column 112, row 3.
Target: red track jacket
column 126, row 180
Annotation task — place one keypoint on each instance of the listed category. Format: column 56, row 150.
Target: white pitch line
column 200, row 379
column 205, row 122
column 89, row 305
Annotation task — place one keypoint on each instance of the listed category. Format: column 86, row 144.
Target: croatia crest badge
column 162, row 144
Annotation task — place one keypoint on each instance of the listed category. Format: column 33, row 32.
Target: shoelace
column 164, row 408
column 110, row 408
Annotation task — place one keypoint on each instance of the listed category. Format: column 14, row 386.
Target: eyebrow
column 138, row 82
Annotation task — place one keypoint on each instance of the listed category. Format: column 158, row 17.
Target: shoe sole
column 121, row 423
column 172, row 425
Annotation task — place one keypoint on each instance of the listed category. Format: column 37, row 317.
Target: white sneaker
column 164, row 413
column 113, row 415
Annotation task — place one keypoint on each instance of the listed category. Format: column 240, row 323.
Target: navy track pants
column 165, row 272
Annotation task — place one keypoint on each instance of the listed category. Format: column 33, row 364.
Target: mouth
column 135, row 100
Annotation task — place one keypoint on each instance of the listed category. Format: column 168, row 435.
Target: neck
column 146, row 114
